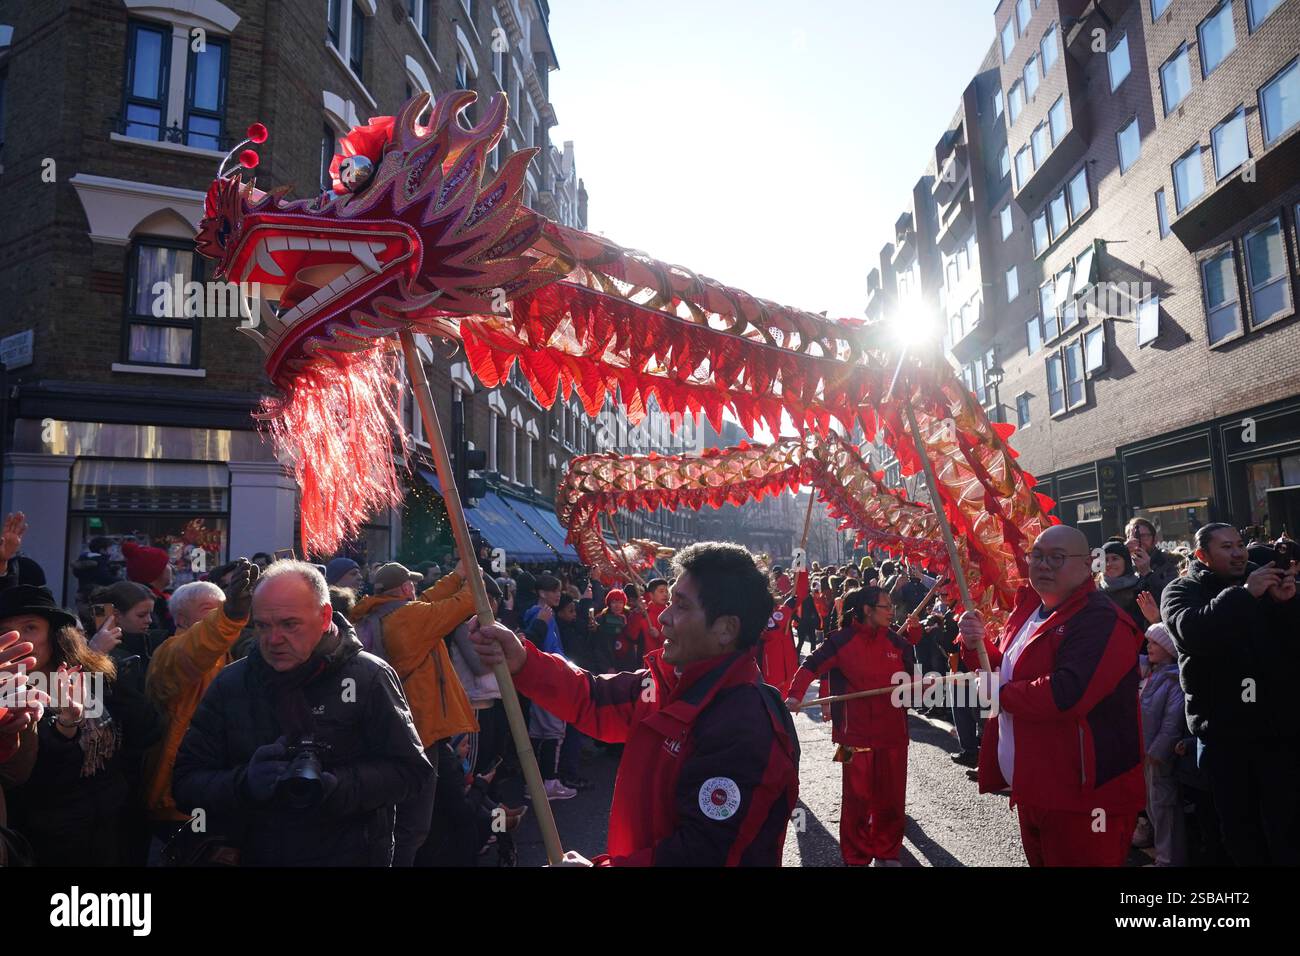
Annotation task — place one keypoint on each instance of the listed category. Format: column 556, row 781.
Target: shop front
column 1263, row 468
column 201, row 494
column 1171, row 482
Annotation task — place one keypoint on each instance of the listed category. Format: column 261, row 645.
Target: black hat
column 27, row 599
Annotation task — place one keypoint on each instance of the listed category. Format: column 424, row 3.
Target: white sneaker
column 555, row 790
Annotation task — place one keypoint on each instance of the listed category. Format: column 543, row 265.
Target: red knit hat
column 143, row 565
column 615, row 594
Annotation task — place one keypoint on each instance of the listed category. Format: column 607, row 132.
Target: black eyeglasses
column 1055, row 561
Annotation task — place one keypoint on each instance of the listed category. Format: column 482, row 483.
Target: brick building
column 1116, row 208
column 115, row 116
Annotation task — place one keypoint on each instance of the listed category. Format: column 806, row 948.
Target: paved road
column 948, row 822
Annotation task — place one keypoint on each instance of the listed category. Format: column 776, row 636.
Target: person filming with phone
column 1234, row 626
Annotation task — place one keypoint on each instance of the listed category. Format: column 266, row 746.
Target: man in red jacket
column 871, row 731
column 1068, row 737
column 710, row 773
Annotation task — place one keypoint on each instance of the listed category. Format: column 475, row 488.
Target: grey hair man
column 300, row 752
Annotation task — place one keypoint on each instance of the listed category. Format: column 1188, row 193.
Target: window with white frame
column 1158, row 8
column 173, row 92
column 1041, row 143
column 1047, row 308
column 157, row 329
column 1222, row 300
column 1013, row 284
column 1129, row 140
column 1080, row 198
column 1148, row 320
column 1024, row 167
column 1056, row 120
column 997, row 102
column 1055, row 385
column 1031, row 76
column 1162, row 213
column 1008, row 39
column 1189, row 179
column 1022, row 410
column 1117, row 60
column 1004, row 163
column 1228, row 141
column 1049, row 48
column 1004, row 220
column 1258, row 11
column 1034, row 335
column 1023, row 13
column 1267, row 274
column 1058, row 216
column 334, row 22
column 1218, row 37
column 1279, row 102
column 1176, row 79
column 1042, row 236
column 423, row 14
column 1094, row 350
column 357, row 42
column 1016, row 101
column 1076, row 392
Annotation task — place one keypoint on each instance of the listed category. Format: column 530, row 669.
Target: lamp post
column 994, row 376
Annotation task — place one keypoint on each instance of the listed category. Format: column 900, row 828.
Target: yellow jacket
column 415, row 643
column 181, row 669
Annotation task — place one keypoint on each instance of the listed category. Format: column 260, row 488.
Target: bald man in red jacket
column 1067, row 738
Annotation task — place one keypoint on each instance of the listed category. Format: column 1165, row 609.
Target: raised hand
column 239, row 593
column 108, row 636
column 1148, row 606
column 11, row 540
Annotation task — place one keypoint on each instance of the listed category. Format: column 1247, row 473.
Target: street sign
column 16, row 350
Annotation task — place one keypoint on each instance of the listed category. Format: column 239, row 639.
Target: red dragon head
column 424, row 238
column 413, row 246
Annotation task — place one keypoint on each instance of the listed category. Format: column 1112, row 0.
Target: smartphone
column 101, row 613
column 285, row 554
column 496, row 763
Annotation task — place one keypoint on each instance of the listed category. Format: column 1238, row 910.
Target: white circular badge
column 719, row 798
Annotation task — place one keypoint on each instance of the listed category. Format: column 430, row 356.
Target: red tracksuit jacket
column 776, row 652
column 1074, row 703
column 862, row 658
column 710, row 774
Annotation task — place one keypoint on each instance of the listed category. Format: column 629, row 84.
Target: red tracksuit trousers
column 871, row 810
column 1064, row 838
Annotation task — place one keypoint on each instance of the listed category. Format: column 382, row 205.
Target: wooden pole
column 807, row 521
column 465, row 548
column 877, row 691
column 937, row 504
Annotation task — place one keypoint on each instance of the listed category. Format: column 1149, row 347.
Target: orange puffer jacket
column 415, row 643
column 180, row 671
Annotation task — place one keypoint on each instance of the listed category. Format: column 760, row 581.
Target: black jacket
column 355, row 705
column 1234, row 656
column 72, row 806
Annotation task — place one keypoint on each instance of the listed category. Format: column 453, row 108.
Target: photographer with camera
column 300, row 752
column 1234, row 624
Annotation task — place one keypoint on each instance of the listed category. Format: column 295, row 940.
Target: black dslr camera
column 1287, row 551
column 301, row 787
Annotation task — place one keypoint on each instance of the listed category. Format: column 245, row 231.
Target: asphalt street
column 948, row 822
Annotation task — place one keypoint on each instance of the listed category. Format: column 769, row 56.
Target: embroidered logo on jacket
column 673, row 745
column 719, row 798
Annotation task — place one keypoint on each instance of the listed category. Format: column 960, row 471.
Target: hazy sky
column 768, row 145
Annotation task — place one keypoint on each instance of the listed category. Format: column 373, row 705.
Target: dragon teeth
column 363, row 253
column 265, row 262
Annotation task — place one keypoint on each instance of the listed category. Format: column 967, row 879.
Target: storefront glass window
column 183, row 508
column 1261, row 476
